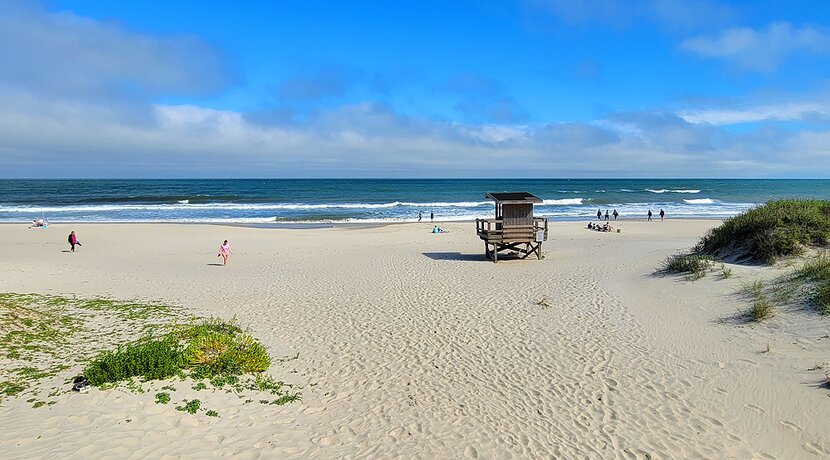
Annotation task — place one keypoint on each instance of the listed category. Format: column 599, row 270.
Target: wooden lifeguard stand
column 514, row 227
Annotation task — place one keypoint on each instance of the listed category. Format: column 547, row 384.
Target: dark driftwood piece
column 514, row 228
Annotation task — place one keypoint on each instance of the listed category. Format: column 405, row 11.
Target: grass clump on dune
column 776, row 229
column 816, row 273
column 695, row 266
column 206, row 349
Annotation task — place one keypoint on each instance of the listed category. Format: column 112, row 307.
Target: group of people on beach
column 615, row 214
column 606, row 227
column 662, row 215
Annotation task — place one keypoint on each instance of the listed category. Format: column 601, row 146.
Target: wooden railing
column 495, row 230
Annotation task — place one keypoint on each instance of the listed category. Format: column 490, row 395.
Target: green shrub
column 148, row 358
column 209, row 349
column 775, row 229
column 162, row 398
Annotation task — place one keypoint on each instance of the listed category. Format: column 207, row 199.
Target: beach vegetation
column 44, row 336
column 206, row 349
column 694, row 266
column 761, row 309
column 212, row 413
column 191, row 407
column 778, row 228
column 815, row 275
column 725, row 272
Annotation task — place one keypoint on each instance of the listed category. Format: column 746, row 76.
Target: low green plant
column 162, row 398
column 287, row 398
column 149, row 358
column 191, row 407
column 209, row 349
column 212, row 413
column 200, row 386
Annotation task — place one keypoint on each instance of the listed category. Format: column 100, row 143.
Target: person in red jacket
column 73, row 240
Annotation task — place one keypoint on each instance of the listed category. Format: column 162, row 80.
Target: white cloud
column 759, row 50
column 793, row 111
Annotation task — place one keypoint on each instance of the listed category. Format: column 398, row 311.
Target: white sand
column 412, row 345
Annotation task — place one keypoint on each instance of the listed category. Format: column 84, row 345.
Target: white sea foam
column 663, row 190
column 700, row 201
column 184, row 201
column 563, row 202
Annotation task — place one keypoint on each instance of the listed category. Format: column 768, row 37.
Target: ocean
column 379, row 200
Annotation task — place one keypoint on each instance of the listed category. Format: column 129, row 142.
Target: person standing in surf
column 662, row 215
column 615, row 214
column 225, row 251
column 73, row 241
column 599, row 214
column 649, row 215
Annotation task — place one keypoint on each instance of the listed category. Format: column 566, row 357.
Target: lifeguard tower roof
column 513, row 197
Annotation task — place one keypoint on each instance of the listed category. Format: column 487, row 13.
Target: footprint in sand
column 791, row 425
column 754, row 407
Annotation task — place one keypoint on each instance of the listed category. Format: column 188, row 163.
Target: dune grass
column 694, row 266
column 816, row 274
column 768, row 232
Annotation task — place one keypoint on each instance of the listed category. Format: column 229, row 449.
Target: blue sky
column 549, row 88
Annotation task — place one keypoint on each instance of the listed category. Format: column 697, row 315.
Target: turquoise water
column 378, row 200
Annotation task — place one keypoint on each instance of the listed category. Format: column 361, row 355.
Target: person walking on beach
column 224, row 251
column 649, row 215
column 662, row 215
column 73, row 241
column 431, row 216
column 606, row 215
column 420, row 216
column 615, row 214
column 599, row 214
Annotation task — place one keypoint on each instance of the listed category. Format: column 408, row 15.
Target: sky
column 526, row 88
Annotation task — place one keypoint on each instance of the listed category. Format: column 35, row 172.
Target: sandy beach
column 413, row 345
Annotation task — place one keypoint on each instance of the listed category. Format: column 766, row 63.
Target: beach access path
column 412, row 344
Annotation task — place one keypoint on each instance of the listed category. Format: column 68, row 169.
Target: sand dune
column 413, row 345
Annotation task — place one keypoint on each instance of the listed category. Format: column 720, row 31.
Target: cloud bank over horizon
column 84, row 96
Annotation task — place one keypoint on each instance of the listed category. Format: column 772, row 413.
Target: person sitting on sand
column 590, row 225
column 437, row 229
column 37, row 223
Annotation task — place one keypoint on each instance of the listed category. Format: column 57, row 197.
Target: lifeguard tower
column 514, row 227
